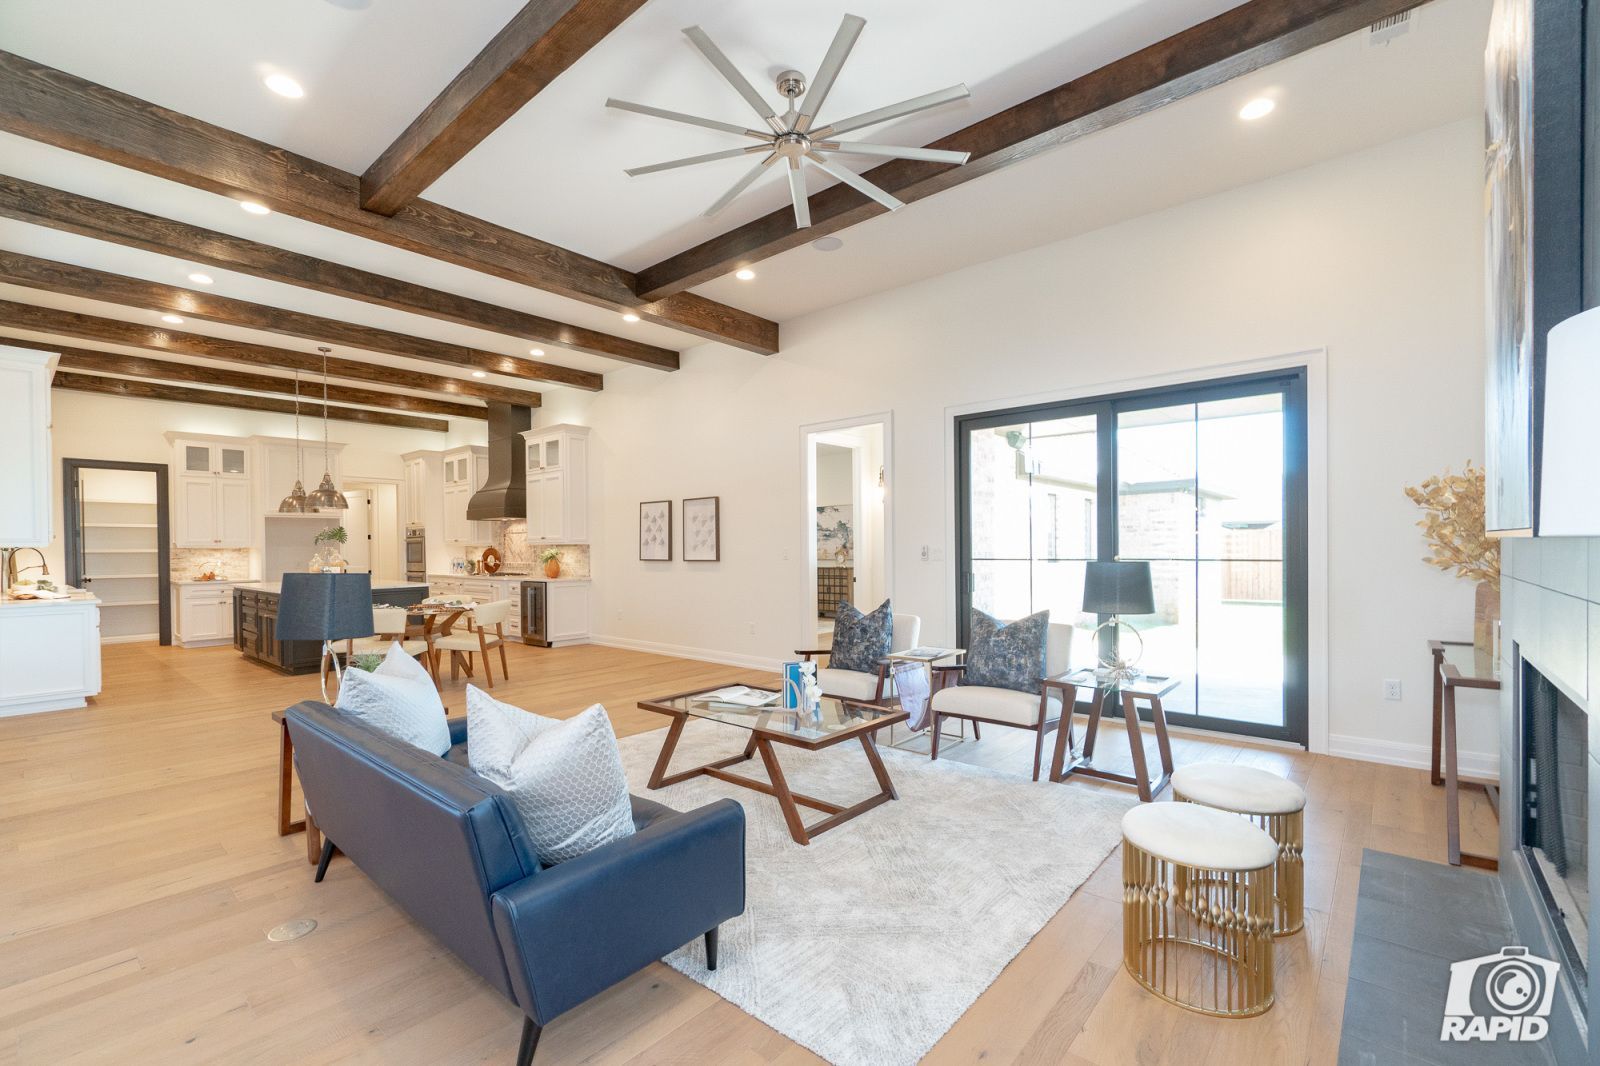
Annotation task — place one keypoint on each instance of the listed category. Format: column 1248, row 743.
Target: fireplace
column 1555, row 810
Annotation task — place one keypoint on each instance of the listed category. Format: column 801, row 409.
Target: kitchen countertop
column 503, row 576
column 8, row 601
column 277, row 586
column 219, row 581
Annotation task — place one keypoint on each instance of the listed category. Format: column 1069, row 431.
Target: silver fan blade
column 838, row 52
column 931, row 155
column 692, row 120
column 731, row 75
column 692, row 160
column 797, row 191
column 893, row 111
column 741, row 185
column 855, row 181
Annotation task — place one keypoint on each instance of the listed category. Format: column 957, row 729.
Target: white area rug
column 867, row 945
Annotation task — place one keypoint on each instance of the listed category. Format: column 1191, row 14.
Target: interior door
column 358, row 525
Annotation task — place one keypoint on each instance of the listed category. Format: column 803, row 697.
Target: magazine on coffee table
column 741, row 696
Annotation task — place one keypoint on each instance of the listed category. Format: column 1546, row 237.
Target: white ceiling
column 554, row 171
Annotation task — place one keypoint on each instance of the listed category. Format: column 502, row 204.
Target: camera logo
column 1507, row 994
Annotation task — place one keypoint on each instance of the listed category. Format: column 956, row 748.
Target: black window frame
column 1291, row 382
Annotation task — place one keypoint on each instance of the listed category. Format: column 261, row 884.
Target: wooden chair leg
column 488, row 666
column 455, row 665
column 505, row 671
column 937, row 729
column 1038, row 750
column 975, row 734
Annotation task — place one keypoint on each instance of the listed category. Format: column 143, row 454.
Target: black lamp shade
column 325, row 606
column 1118, row 588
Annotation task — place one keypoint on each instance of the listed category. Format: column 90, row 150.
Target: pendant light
column 295, row 502
column 326, row 497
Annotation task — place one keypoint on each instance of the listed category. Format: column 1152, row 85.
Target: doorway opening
column 846, row 522
column 375, row 543
column 116, row 538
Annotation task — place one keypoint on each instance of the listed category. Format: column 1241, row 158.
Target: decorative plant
column 1453, row 525
column 332, row 535
column 368, row 661
column 550, row 555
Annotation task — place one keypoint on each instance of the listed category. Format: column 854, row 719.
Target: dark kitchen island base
column 255, row 624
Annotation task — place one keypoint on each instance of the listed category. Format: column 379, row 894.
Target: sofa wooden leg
column 327, row 857
column 530, row 1041
column 711, row 947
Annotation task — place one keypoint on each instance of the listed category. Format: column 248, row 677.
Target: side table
column 286, row 824
column 1457, row 664
column 1148, row 689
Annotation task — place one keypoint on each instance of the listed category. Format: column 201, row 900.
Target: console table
column 1458, row 664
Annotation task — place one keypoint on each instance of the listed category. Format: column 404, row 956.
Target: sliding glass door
column 1206, row 482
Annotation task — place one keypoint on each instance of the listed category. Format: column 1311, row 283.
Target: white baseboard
column 707, row 655
column 135, row 638
column 1479, row 765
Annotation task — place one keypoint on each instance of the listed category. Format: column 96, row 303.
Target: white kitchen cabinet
column 211, row 492
column 558, row 484
column 202, row 613
column 49, row 654
column 25, row 474
column 465, row 471
column 416, row 482
column 567, row 612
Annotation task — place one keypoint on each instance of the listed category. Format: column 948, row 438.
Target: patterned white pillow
column 398, row 698
column 565, row 778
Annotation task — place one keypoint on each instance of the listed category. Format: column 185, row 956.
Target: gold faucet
column 12, row 572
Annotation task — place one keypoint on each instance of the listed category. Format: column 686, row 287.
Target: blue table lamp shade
column 325, row 607
column 1118, row 589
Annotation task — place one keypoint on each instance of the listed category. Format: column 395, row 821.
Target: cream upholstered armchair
column 1039, row 712
column 858, row 685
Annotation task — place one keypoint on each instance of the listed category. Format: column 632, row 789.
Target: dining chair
column 389, row 626
column 487, row 633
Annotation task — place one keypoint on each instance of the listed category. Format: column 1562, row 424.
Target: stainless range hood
column 505, row 493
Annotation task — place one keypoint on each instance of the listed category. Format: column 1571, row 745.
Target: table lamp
column 1118, row 589
column 325, row 607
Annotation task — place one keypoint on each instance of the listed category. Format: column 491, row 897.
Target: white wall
column 91, row 426
column 1374, row 257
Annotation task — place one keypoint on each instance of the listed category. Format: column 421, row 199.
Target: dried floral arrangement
column 1453, row 525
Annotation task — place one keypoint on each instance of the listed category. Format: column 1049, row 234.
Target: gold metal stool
column 1275, row 804
column 1197, row 908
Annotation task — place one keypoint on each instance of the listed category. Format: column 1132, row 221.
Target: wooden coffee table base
column 777, row 786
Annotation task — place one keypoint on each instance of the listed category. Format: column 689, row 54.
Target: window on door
column 1206, row 483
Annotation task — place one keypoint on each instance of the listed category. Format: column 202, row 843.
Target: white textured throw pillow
column 398, row 698
column 565, row 778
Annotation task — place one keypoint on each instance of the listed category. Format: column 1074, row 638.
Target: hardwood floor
column 140, row 870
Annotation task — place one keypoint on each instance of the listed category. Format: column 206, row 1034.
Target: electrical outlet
column 925, row 552
column 1391, row 689
column 751, row 628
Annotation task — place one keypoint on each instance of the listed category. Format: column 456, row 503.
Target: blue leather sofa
column 448, row 846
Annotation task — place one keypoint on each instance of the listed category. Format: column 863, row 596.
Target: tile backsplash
column 511, row 537
column 230, row 564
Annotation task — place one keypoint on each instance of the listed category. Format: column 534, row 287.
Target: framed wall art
column 655, row 531
column 702, row 529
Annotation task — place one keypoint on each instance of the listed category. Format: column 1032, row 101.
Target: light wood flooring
column 140, row 870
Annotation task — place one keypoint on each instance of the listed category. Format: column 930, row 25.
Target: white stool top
column 1246, row 789
column 1197, row 836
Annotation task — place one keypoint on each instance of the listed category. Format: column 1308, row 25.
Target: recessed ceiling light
column 479, row 374
column 827, row 244
column 536, row 352
column 745, row 274
column 172, row 320
column 1260, row 107
column 255, row 208
column 284, row 85
column 630, row 317
column 201, row 279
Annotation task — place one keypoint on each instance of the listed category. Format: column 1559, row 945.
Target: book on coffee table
column 741, row 696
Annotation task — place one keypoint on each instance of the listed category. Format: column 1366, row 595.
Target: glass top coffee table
column 836, row 721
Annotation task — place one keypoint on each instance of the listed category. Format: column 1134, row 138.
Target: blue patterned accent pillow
column 1007, row 656
column 860, row 640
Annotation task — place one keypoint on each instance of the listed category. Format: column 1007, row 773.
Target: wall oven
column 416, row 553
column 535, row 614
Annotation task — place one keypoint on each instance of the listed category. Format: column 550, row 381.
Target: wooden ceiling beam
column 544, row 39
column 49, row 276
column 35, row 319
column 44, row 206
column 57, row 108
column 1236, row 42
column 137, row 366
column 150, row 390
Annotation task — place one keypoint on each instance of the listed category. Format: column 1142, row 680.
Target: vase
column 552, row 569
column 1485, row 617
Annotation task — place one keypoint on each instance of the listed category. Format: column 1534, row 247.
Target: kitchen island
column 255, row 623
column 49, row 653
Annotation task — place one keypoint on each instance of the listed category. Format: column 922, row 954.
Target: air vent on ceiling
column 1387, row 29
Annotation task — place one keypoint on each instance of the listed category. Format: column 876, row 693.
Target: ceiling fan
column 792, row 137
